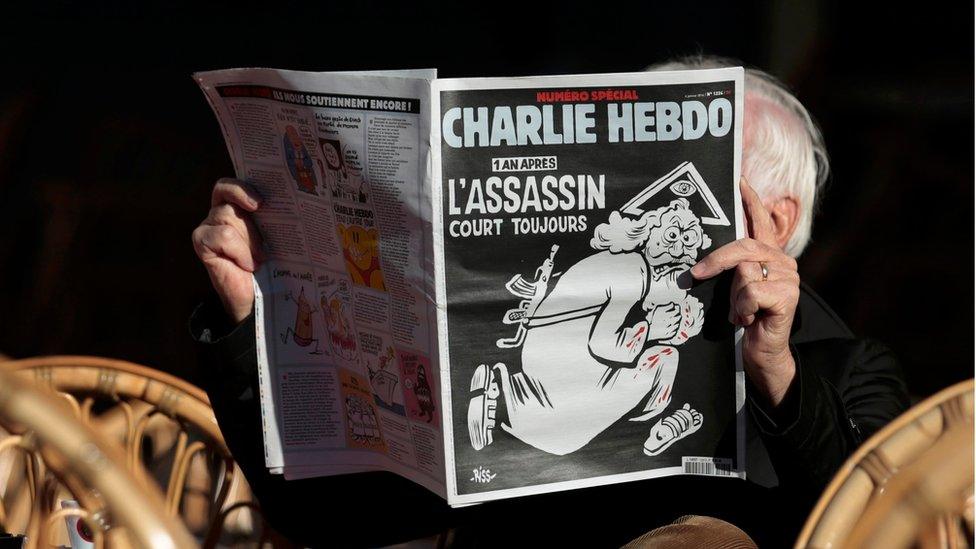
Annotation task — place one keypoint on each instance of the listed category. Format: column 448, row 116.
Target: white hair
column 625, row 234
column 787, row 156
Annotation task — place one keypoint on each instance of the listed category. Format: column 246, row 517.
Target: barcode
column 707, row 466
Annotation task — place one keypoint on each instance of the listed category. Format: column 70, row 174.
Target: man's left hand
column 764, row 303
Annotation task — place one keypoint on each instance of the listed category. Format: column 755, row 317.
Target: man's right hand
column 229, row 245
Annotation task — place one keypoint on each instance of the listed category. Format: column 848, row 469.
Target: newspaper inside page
column 574, row 349
column 346, row 335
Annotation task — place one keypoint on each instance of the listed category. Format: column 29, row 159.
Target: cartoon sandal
column 671, row 429
column 481, row 408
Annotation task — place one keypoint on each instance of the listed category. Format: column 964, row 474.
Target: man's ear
column 785, row 213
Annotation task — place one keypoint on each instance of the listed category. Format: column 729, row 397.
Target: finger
column 235, row 191
column 733, row 253
column 768, row 298
column 748, row 272
column 222, row 241
column 233, row 216
column 760, row 222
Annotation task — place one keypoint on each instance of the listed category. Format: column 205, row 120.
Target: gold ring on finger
column 765, row 271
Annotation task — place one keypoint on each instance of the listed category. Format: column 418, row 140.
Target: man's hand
column 230, row 247
column 764, row 306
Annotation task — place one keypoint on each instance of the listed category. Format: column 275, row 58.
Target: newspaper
column 482, row 284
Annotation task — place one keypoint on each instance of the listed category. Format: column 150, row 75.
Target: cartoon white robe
column 601, row 343
column 580, row 363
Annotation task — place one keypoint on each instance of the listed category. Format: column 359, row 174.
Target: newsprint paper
column 482, row 284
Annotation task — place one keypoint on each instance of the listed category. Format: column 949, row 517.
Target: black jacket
column 845, row 389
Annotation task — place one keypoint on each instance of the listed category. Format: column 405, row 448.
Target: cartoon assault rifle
column 532, row 292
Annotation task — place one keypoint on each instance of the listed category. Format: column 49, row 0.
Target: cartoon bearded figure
column 299, row 161
column 586, row 360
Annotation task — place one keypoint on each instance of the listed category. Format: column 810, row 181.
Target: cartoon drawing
column 385, row 382
column 342, row 339
column 419, row 389
column 362, row 424
column 299, row 161
column 360, row 249
column 586, row 361
column 667, row 431
column 425, row 397
column 532, row 294
column 363, row 428
column 340, row 180
column 301, row 334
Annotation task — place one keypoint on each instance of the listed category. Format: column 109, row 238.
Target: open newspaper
column 482, row 284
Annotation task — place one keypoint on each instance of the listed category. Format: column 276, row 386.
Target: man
column 815, row 391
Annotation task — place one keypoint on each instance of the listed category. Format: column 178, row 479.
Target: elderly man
column 815, row 391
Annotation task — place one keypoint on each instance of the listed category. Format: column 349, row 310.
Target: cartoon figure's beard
column 662, row 284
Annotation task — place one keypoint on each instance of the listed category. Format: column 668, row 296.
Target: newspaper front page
column 568, row 211
column 482, row 284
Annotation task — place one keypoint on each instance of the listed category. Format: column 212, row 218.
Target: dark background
column 108, row 150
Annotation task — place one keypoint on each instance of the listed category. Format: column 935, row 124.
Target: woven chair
column 164, row 424
column 67, row 459
column 909, row 485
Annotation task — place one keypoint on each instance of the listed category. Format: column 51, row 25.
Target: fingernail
column 696, row 270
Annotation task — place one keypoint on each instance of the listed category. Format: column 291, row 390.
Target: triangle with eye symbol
column 683, row 181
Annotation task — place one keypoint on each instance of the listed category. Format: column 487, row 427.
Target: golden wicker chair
column 67, row 459
column 911, row 484
column 163, row 423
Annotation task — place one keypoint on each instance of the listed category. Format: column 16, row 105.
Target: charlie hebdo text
column 552, row 203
